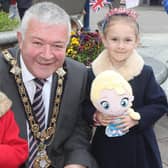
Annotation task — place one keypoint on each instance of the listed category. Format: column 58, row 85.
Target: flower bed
column 84, row 46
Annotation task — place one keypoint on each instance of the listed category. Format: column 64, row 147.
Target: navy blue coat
column 138, row 148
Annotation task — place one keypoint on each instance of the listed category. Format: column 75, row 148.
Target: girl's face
column 120, row 39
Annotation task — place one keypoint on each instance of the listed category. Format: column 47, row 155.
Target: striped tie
column 38, row 110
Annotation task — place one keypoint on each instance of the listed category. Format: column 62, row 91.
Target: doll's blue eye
column 105, row 104
column 124, row 102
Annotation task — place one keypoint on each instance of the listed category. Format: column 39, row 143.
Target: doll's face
column 110, row 102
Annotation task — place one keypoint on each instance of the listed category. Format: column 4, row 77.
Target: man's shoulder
column 75, row 69
column 3, row 62
column 12, row 52
column 70, row 63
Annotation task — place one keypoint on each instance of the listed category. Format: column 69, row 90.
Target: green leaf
column 6, row 23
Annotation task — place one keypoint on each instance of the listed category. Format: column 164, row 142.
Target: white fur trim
column 132, row 67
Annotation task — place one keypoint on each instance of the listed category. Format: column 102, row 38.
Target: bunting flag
column 97, row 4
column 131, row 3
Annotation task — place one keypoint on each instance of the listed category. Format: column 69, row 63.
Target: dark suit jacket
column 70, row 144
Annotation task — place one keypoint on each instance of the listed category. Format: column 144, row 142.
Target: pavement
column 154, row 48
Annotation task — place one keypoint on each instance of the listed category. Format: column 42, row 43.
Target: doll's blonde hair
column 109, row 79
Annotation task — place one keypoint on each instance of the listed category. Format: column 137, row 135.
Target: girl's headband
column 122, row 11
column 117, row 12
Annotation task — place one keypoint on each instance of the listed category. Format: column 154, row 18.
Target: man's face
column 43, row 47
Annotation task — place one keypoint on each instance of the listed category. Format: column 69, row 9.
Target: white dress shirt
column 31, row 88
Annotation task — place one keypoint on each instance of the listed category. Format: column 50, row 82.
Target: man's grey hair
column 45, row 12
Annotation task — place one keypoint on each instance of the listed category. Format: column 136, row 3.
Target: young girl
column 13, row 149
column 138, row 147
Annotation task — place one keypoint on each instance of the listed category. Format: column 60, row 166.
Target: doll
column 111, row 94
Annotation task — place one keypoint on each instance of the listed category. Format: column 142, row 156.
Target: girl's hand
column 102, row 119
column 126, row 122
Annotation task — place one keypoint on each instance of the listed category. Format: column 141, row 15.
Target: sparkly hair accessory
column 123, row 11
column 117, row 12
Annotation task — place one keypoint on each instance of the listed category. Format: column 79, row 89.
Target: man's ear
column 20, row 39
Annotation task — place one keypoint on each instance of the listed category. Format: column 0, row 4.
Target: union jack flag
column 97, row 4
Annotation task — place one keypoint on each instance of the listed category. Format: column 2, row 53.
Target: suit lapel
column 67, row 106
column 13, row 93
column 69, row 103
column 52, row 97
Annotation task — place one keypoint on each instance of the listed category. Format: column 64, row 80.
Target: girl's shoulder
column 144, row 76
column 147, row 70
column 158, row 73
column 5, row 104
